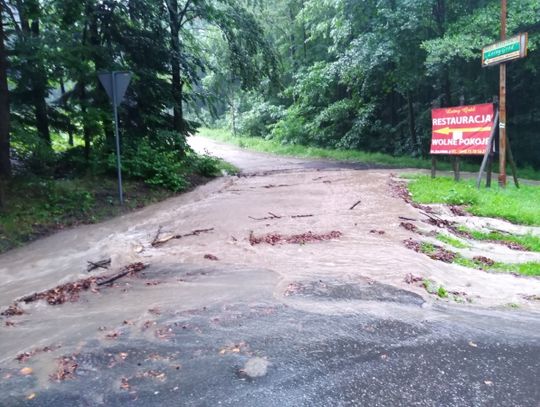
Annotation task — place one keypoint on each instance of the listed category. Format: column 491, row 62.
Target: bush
column 154, row 165
column 291, row 128
column 257, row 121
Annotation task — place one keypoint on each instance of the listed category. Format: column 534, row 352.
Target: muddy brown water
column 358, row 274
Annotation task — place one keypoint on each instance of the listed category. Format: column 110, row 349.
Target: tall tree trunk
column 38, row 76
column 412, row 124
column 39, row 93
column 5, row 162
column 177, row 83
column 91, row 37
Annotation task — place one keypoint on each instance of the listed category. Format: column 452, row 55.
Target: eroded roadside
column 271, row 283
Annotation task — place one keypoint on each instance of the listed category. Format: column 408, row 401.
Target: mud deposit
column 217, row 320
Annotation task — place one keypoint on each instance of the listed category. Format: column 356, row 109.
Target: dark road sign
column 120, row 82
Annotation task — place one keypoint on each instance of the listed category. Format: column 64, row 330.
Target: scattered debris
column 442, row 254
column 438, row 221
column 275, row 238
column 23, row 357
column 377, row 232
column 103, row 264
column 164, row 333
column 158, row 241
column 458, row 210
column 67, row 365
column 269, row 186
column 241, row 347
column 13, row 310
column 272, row 216
column 112, row 335
column 211, row 257
column 407, row 219
column 70, row 291
column 129, row 270
column 484, row 260
column 355, row 205
column 409, row 226
column 412, row 279
column 532, row 297
column 412, row 245
column 9, row 323
column 472, row 344
column 155, row 374
column 124, row 384
column 293, row 288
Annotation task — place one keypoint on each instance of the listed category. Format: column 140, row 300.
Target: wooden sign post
column 499, row 54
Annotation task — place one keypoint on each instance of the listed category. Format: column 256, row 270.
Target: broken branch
column 355, row 205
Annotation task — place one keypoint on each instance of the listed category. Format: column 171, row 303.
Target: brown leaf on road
column 25, row 371
column 211, row 257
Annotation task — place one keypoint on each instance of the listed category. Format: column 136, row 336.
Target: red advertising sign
column 462, row 130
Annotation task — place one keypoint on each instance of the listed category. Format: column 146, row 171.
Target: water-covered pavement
column 218, row 319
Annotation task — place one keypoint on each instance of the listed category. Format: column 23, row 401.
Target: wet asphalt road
column 318, row 342
column 337, row 356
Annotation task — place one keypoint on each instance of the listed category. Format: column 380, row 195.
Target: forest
column 346, row 74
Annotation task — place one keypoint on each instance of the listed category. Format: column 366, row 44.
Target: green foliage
column 291, row 129
column 258, row 121
column 516, row 205
column 433, row 288
column 529, row 241
column 155, row 166
column 458, row 244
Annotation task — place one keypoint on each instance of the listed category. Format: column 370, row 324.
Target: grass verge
column 531, row 269
column 520, row 206
column 458, row 244
column 528, row 241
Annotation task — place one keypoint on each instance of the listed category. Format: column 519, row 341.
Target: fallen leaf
column 488, row 382
column 31, row 396
column 25, row 371
column 474, row 345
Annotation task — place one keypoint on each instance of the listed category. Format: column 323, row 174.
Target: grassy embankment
column 520, row 206
column 38, row 205
column 273, row 146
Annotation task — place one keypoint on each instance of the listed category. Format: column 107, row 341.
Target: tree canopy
column 353, row 74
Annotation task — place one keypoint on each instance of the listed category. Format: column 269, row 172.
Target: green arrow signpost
column 504, row 51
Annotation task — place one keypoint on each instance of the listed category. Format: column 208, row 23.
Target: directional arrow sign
column 507, row 50
column 462, row 130
column 448, row 130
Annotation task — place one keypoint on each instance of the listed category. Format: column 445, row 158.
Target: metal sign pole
column 117, row 137
column 502, row 105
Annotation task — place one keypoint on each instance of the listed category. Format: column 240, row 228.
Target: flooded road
column 321, row 317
